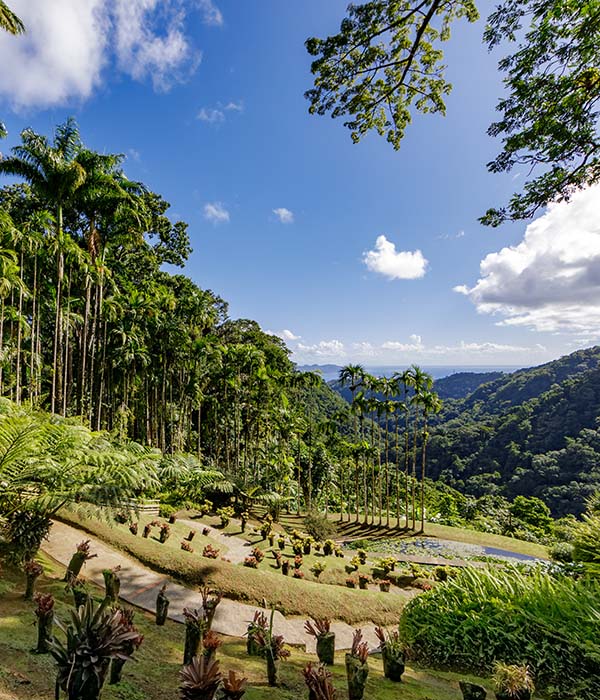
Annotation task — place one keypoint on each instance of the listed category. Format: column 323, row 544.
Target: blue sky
column 206, row 99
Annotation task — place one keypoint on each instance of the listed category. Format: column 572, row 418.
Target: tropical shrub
column 318, row 568
column 318, row 526
column 251, row 562
column 484, row 616
column 210, row 552
column 512, row 682
column 319, row 681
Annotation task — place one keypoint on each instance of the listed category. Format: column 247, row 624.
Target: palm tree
column 430, row 403
column 352, row 376
column 9, row 21
column 407, row 380
column 55, row 175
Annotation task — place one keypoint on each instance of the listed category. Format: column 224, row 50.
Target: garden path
column 140, row 586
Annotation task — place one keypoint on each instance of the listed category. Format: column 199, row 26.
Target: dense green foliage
column 480, row 617
column 531, row 433
column 386, row 63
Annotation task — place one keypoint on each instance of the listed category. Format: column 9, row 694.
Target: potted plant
column 164, row 533
column 82, row 554
column 328, row 547
column 278, row 557
column 281, row 542
column 319, row 679
column 44, row 611
column 285, row 567
column 512, row 682
column 210, row 643
column 186, row 546
column 271, row 537
column 206, row 531
column 318, row 568
column 199, row 679
column 251, row 562
column 258, row 554
column 351, row 582
column 297, row 547
column 472, row 691
column 147, row 530
column 392, row 654
column 133, row 528
column 384, row 585
column 210, row 601
column 307, row 545
column 234, row 686
column 191, row 535
column 80, row 591
column 362, row 556
column 363, row 581
column 297, row 562
column 129, row 646
column 112, row 584
column 33, row 571
column 320, row 629
column 273, row 649
column 258, row 624
column 357, row 668
column 162, row 606
column 225, row 514
column 195, row 628
column 93, row 639
column 210, row 552
column 244, row 517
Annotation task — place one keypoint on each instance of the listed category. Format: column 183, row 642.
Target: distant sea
column 330, row 372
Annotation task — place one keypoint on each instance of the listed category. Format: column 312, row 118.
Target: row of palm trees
column 390, row 432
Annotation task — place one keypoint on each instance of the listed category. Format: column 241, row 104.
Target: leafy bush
column 562, row 552
column 484, row 616
column 165, row 510
column 319, row 526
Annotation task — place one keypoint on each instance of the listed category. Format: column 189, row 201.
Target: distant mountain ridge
column 533, row 432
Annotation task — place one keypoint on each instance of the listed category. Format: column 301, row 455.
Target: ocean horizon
column 330, row 372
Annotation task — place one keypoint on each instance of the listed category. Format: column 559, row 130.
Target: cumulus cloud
column 285, row 334
column 71, row 45
column 324, row 349
column 284, row 215
column 400, row 265
column 550, row 281
column 216, row 213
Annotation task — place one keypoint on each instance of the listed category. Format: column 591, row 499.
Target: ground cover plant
column 481, row 617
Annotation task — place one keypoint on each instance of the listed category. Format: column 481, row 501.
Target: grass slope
column 24, row 676
column 290, row 596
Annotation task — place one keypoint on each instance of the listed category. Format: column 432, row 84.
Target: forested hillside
column 534, row 432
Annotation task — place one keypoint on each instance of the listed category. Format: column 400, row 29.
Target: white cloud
column 324, row 349
column 211, row 14
column 211, row 115
column 71, row 45
column 234, row 106
column 284, row 215
column 216, row 212
column 285, row 334
column 400, row 265
column 451, row 236
column 551, row 280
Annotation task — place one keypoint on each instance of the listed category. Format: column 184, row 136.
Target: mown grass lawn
column 26, row 676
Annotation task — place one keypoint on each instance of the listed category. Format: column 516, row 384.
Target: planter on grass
column 112, row 584
column 363, row 582
column 191, row 535
column 285, row 567
column 45, row 617
column 147, row 531
column 194, row 630
column 326, row 648
column 162, row 606
column 357, row 673
column 33, row 571
column 384, row 586
column 472, row 691
column 78, row 559
column 393, row 664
